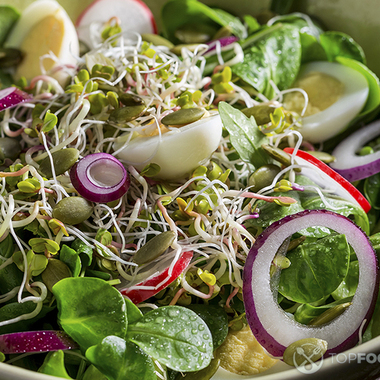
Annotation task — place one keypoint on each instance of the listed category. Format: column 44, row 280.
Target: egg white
column 334, row 119
column 29, row 19
column 177, row 152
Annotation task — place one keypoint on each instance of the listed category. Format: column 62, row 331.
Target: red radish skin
column 348, row 191
column 36, row 341
column 140, row 295
column 273, row 329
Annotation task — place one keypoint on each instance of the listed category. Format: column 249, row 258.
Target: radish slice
column 35, row 341
column 100, row 177
column 11, row 96
column 352, row 166
column 134, row 15
column 327, row 178
column 273, row 329
column 155, row 284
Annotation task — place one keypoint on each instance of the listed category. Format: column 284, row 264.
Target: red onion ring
column 100, row 177
column 352, row 166
column 223, row 41
column 273, row 329
column 12, row 96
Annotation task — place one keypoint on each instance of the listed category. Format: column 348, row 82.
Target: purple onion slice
column 352, row 166
column 12, row 96
column 273, row 329
column 100, row 177
column 223, row 41
column 35, row 341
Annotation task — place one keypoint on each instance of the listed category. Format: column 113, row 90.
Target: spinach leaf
column 311, row 49
column 71, row 258
column 216, row 320
column 175, row 336
column 275, row 56
column 90, row 309
column 316, row 269
column 338, row 44
column 119, row 359
column 8, row 17
column 306, row 312
column 245, row 136
column 372, row 190
column 92, row 373
column 54, row 365
column 348, row 286
column 176, row 13
column 133, row 312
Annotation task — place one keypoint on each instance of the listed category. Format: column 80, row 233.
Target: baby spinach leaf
column 316, row 269
column 348, row 286
column 245, row 136
column 306, row 312
column 54, row 365
column 175, row 336
column 90, row 309
column 372, row 190
column 92, row 373
column 133, row 312
column 338, row 44
column 119, row 359
column 311, row 49
column 71, row 258
column 216, row 320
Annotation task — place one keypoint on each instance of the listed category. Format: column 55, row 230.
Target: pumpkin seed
column 224, row 31
column 330, row 314
column 55, row 271
column 9, row 148
column 177, row 50
column 131, row 99
column 63, row 160
column 263, row 177
column 311, row 348
column 279, row 155
column 10, row 57
column 204, row 374
column 156, row 40
column 193, row 33
column 323, row 156
column 261, row 113
column 183, row 116
column 126, row 114
column 72, row 210
column 154, row 248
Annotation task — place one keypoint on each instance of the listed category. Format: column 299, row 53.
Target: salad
column 174, row 198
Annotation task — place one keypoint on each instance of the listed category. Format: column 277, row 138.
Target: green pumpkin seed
column 72, row 210
column 131, row 99
column 263, row 177
column 261, row 113
column 10, row 57
column 156, row 40
column 183, row 116
column 279, row 155
column 323, row 156
column 177, row 50
column 193, row 33
column 55, row 271
column 9, row 148
column 154, row 248
column 330, row 314
column 224, row 31
column 296, row 354
column 204, row 374
column 126, row 114
column 63, row 160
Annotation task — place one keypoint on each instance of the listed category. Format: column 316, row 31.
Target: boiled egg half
column 336, row 95
column 178, row 152
column 44, row 27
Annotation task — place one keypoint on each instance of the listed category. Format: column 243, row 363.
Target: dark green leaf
column 92, row 373
column 90, row 309
column 175, row 336
column 54, row 365
column 245, row 136
column 84, row 251
column 71, row 258
column 316, row 269
column 348, row 286
column 216, row 320
column 281, row 7
column 120, row 360
column 133, row 312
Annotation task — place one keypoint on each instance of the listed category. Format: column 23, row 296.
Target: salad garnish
column 154, row 187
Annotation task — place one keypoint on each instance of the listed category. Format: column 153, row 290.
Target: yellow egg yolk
column 323, row 90
column 46, row 36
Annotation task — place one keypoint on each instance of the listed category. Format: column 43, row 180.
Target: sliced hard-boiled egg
column 43, row 28
column 133, row 15
column 336, row 95
column 178, row 152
